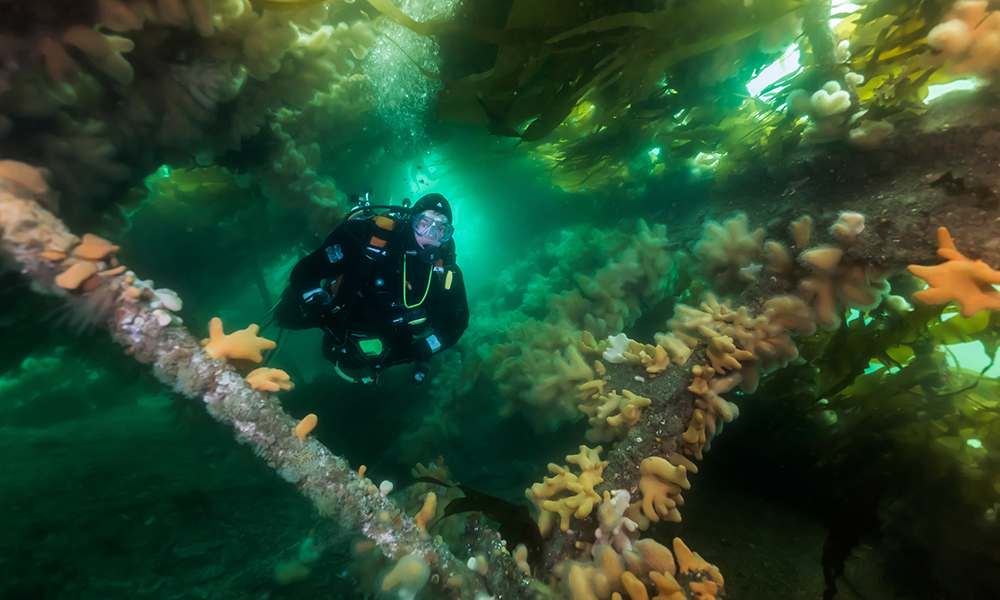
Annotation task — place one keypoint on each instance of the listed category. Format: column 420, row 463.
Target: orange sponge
column 243, row 344
column 427, row 511
column 408, row 576
column 305, row 426
column 271, row 380
column 968, row 282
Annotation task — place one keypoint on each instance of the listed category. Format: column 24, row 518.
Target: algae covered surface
column 731, row 270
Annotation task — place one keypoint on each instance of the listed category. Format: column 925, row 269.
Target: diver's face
column 431, row 228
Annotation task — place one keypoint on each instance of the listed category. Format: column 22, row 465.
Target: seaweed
column 515, row 523
column 891, row 424
column 640, row 68
column 593, row 87
column 887, row 45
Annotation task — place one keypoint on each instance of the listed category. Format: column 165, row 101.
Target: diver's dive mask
column 437, row 230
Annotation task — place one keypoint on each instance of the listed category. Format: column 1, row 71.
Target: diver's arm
column 449, row 320
column 329, row 261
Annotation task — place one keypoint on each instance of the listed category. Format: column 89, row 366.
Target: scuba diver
column 384, row 288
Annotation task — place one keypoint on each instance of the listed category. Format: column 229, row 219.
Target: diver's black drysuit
column 384, row 300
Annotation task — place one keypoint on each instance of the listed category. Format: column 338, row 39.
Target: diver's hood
column 435, row 202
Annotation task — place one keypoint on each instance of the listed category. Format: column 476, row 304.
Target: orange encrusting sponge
column 243, row 344
column 305, row 426
column 967, row 282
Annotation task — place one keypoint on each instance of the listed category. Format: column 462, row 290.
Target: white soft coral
column 615, row 527
column 617, row 347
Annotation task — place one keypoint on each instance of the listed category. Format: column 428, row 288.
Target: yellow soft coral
column 612, row 415
column 725, row 252
column 695, row 437
column 576, row 495
column 704, row 579
column 968, row 282
column 630, row 407
column 725, row 355
column 661, row 486
column 243, row 344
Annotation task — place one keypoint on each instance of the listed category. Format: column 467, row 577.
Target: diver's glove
column 425, row 347
column 315, row 302
column 421, row 370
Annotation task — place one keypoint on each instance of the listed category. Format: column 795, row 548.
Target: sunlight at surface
column 971, row 356
column 936, row 91
column 788, row 63
column 855, row 314
column 499, row 203
column 841, row 7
